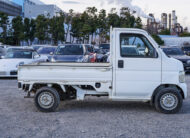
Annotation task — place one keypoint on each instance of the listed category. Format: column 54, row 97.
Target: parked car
column 2, row 52
column 186, row 50
column 15, row 48
column 9, row 64
column 177, row 53
column 46, row 51
column 105, row 47
column 152, row 77
column 70, row 53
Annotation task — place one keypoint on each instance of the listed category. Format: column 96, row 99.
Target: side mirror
column 36, row 56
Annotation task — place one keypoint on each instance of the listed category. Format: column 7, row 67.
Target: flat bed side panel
column 65, row 73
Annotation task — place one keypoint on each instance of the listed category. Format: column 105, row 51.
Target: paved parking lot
column 91, row 118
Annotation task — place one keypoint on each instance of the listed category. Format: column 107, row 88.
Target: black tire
column 167, row 96
column 47, row 92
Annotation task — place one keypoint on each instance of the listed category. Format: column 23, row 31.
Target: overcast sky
column 157, row 7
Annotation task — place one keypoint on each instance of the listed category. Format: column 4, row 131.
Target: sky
column 144, row 7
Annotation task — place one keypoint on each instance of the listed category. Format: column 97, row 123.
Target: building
column 10, row 8
column 164, row 20
column 152, row 25
column 32, row 11
column 170, row 21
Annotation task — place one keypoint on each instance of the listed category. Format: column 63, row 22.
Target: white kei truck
column 138, row 71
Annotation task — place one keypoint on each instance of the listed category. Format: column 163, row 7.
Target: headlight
column 182, row 77
column 53, row 60
column 20, row 64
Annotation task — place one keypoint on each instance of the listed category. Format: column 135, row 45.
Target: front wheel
column 47, row 99
column 168, row 101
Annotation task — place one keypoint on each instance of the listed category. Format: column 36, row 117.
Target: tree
column 57, row 30
column 18, row 30
column 165, row 32
column 42, row 28
column 32, row 30
column 86, row 28
column 158, row 39
column 102, row 25
column 4, row 21
column 68, row 21
column 127, row 20
column 76, row 27
column 113, row 18
column 138, row 23
column 27, row 30
column 92, row 20
column 185, row 34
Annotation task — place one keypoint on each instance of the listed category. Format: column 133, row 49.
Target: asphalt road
column 89, row 119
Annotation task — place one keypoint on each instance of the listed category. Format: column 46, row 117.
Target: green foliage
column 57, row 31
column 42, row 28
column 18, row 30
column 185, row 34
column 165, row 32
column 32, row 29
column 3, row 24
column 138, row 23
column 158, row 39
column 83, row 27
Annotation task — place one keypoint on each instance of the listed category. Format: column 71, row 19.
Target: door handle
column 120, row 64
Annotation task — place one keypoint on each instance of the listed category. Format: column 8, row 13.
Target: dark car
column 70, row 53
column 46, row 50
column 177, row 53
column 186, row 50
column 105, row 48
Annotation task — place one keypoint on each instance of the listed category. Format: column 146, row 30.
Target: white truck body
column 124, row 78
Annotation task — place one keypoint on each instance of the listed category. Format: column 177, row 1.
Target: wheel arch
column 166, row 86
column 56, row 86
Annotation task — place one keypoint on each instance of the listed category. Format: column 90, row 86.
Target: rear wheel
column 47, row 99
column 168, row 101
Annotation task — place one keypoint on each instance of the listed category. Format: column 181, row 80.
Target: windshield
column 173, row 51
column 70, row 50
column 36, row 47
column 105, row 46
column 19, row 54
column 13, row 49
column 46, row 50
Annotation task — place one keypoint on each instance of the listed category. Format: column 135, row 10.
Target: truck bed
column 67, row 73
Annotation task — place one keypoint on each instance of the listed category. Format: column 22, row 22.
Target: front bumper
column 183, row 86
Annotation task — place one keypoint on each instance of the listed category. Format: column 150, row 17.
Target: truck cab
column 138, row 71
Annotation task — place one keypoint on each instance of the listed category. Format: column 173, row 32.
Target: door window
column 133, row 45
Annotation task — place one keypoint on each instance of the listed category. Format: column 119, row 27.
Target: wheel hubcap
column 46, row 100
column 169, row 101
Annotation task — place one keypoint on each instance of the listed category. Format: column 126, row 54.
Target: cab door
column 138, row 66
